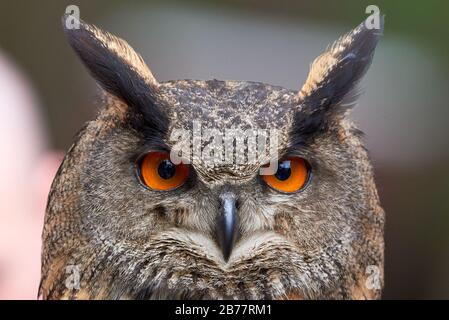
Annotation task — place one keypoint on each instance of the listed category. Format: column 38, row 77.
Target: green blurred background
column 404, row 111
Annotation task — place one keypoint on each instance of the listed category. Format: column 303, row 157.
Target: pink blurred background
column 46, row 95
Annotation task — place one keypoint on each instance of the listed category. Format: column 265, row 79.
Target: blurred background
column 46, row 95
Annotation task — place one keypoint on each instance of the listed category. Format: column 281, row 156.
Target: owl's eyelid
column 291, row 154
column 149, row 149
column 302, row 151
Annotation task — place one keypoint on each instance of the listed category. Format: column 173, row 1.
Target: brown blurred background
column 404, row 111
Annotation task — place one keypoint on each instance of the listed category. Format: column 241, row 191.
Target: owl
column 131, row 215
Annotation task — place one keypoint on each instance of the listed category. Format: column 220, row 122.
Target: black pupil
column 166, row 169
column 284, row 170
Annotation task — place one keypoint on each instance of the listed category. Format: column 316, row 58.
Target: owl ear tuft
column 331, row 86
column 335, row 73
column 117, row 68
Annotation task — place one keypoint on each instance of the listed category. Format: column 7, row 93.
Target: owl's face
column 139, row 225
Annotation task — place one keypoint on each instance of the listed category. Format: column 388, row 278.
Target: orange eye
column 292, row 174
column 159, row 173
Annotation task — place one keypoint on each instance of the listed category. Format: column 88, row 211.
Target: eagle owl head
column 136, row 218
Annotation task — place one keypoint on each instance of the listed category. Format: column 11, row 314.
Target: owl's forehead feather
column 228, row 104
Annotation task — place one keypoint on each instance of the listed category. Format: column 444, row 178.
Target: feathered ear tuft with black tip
column 118, row 69
column 334, row 76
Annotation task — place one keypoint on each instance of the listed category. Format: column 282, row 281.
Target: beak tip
column 227, row 254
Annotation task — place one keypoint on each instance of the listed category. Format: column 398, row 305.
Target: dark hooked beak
column 227, row 224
